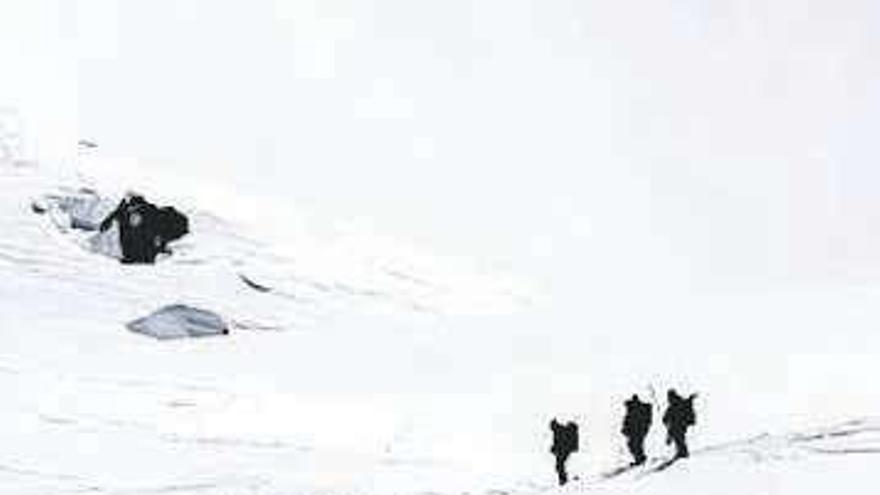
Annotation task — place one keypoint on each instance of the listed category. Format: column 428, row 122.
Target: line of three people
column 678, row 417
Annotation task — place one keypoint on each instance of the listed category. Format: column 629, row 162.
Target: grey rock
column 179, row 321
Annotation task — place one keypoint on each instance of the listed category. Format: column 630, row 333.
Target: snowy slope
column 691, row 186
column 351, row 374
column 279, row 402
column 838, row 457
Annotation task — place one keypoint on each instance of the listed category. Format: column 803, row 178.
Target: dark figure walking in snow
column 679, row 416
column 636, row 424
column 565, row 442
column 144, row 229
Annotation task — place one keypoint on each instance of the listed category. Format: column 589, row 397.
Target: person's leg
column 639, row 449
column 560, row 469
column 125, row 244
column 633, row 449
column 144, row 245
column 684, row 445
column 680, row 445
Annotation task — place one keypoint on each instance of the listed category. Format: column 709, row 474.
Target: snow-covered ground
column 319, row 386
column 434, row 226
column 360, row 373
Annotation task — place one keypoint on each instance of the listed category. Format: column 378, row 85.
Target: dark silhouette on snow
column 170, row 225
column 565, row 442
column 636, row 424
column 679, row 416
column 144, row 229
column 254, row 285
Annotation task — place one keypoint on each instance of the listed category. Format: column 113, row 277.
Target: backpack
column 172, row 224
column 573, row 436
column 688, row 415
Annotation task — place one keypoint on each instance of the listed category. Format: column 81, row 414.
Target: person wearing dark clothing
column 636, row 424
column 169, row 224
column 679, row 416
column 133, row 215
column 144, row 229
column 565, row 442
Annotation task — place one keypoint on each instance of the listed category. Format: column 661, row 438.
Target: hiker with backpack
column 679, row 416
column 636, row 423
column 133, row 216
column 565, row 442
column 144, row 229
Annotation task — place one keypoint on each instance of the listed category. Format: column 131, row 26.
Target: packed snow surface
column 344, row 372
